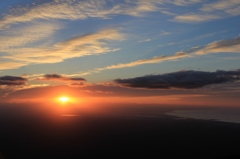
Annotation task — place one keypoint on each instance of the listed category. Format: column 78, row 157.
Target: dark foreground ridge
column 86, row 136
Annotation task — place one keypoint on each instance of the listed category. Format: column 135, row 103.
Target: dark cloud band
column 60, row 77
column 12, row 80
column 182, row 79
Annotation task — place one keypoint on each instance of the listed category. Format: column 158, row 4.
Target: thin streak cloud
column 195, row 18
column 156, row 59
column 228, row 46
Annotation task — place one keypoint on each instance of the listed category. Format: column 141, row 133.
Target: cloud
column 146, row 40
column 132, row 8
column 75, row 10
column 195, row 18
column 230, row 45
column 25, row 35
column 88, row 90
column 57, row 77
column 79, row 10
column 164, row 32
column 17, row 39
column 196, row 38
column 83, row 45
column 226, row 94
column 221, row 5
column 10, row 84
column 69, row 10
column 12, row 81
column 182, row 79
column 234, row 11
column 185, row 2
column 211, row 11
column 4, row 65
column 156, row 59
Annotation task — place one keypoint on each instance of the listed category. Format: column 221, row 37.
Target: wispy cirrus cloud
column 221, row 5
column 25, row 35
column 70, row 10
column 17, row 44
column 22, row 37
column 18, row 52
column 76, row 10
column 83, row 45
column 211, row 10
column 79, row 10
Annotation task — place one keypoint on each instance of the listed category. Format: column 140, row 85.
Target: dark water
column 126, row 134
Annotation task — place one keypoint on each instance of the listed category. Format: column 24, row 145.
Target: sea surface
column 34, row 132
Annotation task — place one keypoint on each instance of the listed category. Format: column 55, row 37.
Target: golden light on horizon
column 64, row 99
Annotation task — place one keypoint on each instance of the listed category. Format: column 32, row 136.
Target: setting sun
column 64, row 99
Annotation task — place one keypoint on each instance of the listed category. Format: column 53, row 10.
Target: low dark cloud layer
column 12, row 80
column 60, row 78
column 182, row 79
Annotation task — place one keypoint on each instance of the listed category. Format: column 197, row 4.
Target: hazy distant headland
column 232, row 116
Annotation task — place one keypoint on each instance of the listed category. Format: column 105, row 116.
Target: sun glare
column 64, row 99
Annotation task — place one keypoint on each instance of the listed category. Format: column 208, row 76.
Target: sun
column 64, row 99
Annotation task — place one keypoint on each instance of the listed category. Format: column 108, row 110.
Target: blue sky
column 103, row 40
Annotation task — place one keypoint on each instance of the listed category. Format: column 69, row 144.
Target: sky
column 176, row 52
